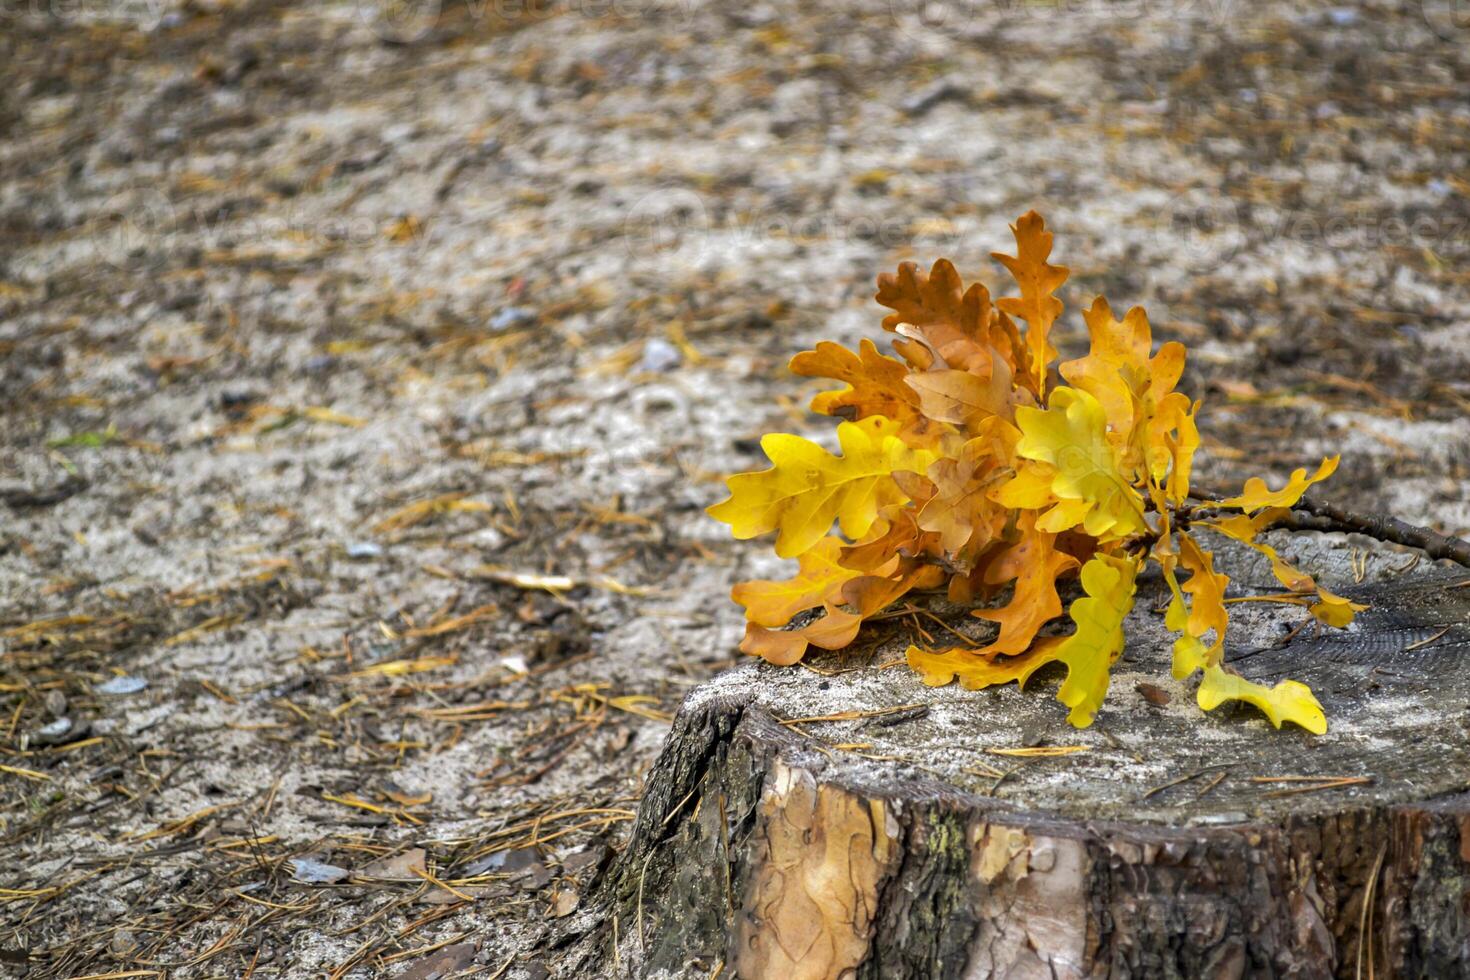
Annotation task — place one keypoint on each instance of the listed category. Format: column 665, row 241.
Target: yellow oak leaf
column 1190, row 653
column 808, row 488
column 1081, row 468
column 1257, row 495
column 1288, row 700
column 875, row 382
column 1088, row 653
column 1116, row 369
column 1037, row 281
column 946, row 322
column 819, row 578
column 1029, row 489
column 1181, row 440
column 1334, row 610
column 1244, row 529
column 1206, row 588
column 1035, row 564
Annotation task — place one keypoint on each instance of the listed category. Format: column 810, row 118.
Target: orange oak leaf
column 946, row 322
column 1006, row 338
column 960, row 511
column 1116, row 369
column 833, row 631
column 965, row 397
column 1037, row 280
column 867, row 595
column 875, row 382
column 1035, row 564
column 1088, row 653
column 901, row 534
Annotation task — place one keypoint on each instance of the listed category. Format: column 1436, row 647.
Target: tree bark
column 880, row 843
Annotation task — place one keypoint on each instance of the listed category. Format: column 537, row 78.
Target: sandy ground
column 366, row 371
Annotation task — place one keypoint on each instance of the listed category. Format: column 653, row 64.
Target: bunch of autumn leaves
column 960, row 468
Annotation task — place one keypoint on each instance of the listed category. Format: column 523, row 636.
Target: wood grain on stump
column 884, row 844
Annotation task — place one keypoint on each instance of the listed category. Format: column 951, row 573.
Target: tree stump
column 896, row 833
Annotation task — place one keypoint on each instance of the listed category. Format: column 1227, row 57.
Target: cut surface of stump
column 843, row 819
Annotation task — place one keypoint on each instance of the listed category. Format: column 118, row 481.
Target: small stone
column 59, row 731
column 511, row 316
column 659, row 355
column 944, row 90
column 490, row 862
column 121, row 685
column 316, row 872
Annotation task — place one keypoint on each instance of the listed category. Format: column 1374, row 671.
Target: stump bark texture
column 895, row 833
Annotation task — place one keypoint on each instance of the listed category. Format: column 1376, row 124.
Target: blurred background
column 366, row 368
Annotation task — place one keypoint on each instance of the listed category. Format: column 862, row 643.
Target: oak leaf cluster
column 964, row 467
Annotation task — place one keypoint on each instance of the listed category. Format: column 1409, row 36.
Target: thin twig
column 1311, row 514
column 1183, row 779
